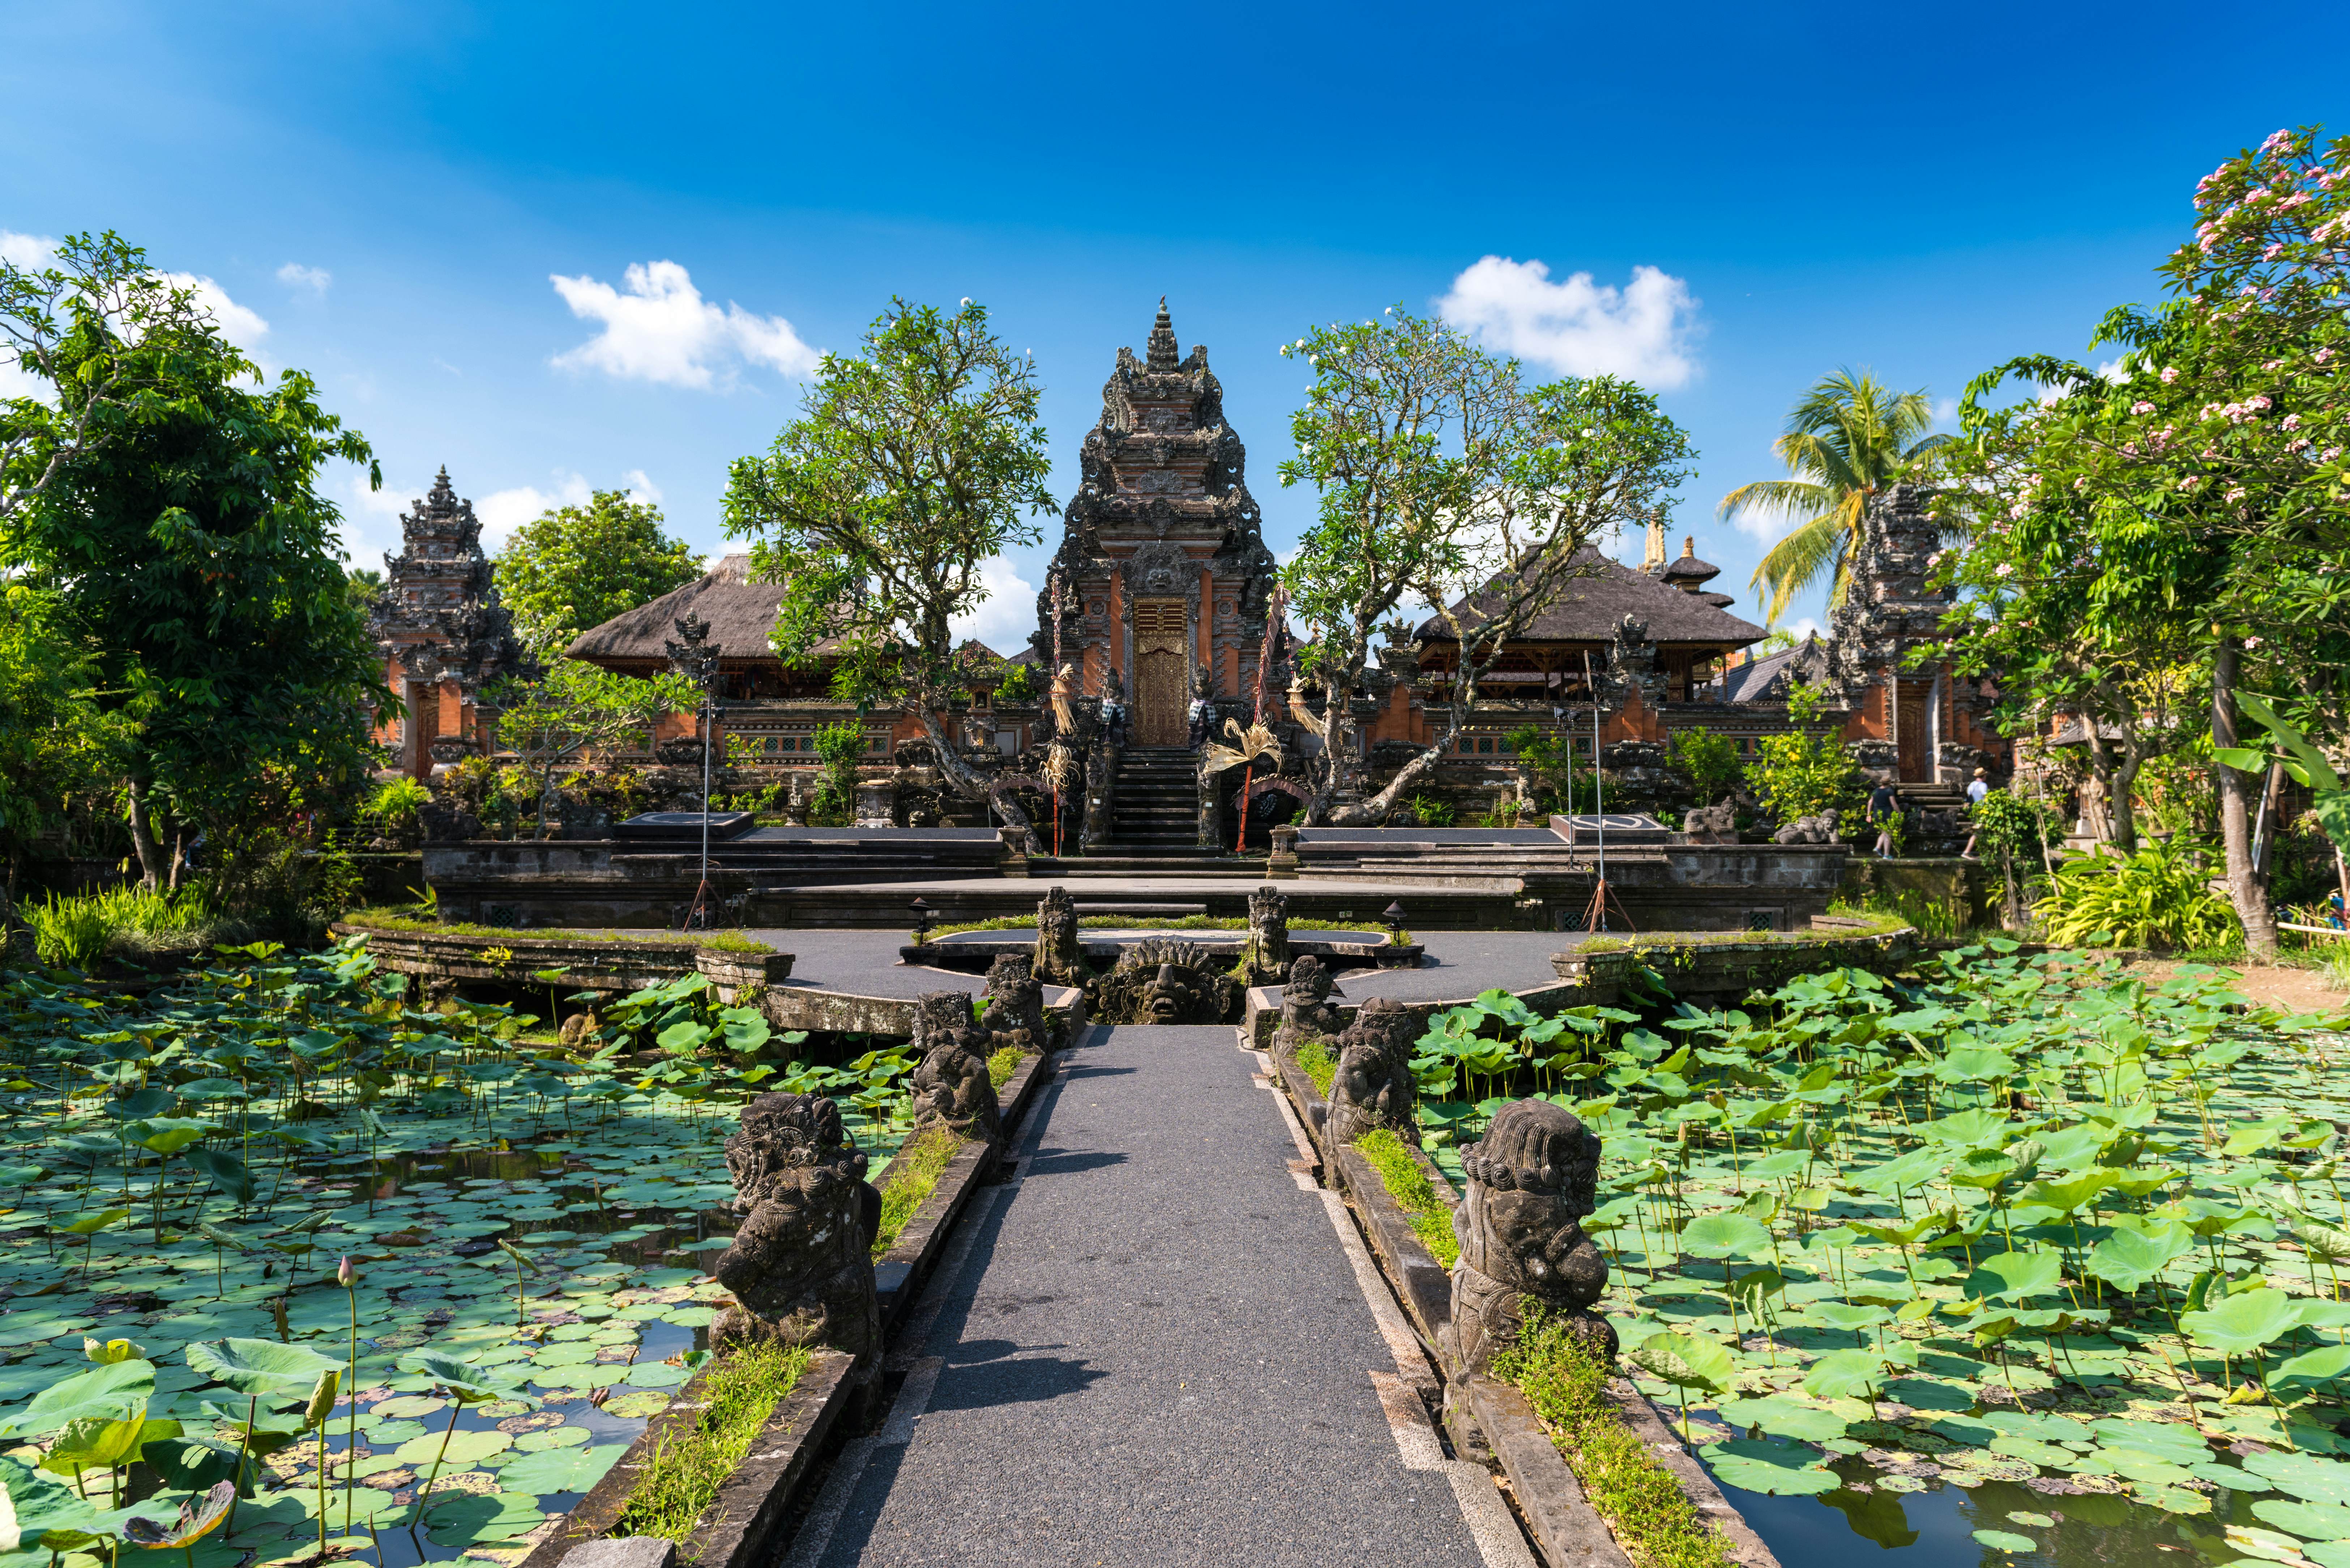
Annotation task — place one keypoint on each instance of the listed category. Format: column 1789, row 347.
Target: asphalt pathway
column 1155, row 1347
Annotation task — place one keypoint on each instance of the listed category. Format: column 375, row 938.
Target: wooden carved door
column 1161, row 658
column 1917, row 753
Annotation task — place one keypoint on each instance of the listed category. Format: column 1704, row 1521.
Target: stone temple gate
column 1162, row 569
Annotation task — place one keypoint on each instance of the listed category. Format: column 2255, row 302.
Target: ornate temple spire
column 1652, row 559
column 1163, row 354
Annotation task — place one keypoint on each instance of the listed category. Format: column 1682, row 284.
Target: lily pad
column 1770, row 1464
column 566, row 1469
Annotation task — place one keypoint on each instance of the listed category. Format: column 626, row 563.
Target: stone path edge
column 737, row 1529
column 900, row 1273
column 1549, row 1497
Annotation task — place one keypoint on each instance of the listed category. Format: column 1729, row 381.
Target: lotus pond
column 2020, row 1257
column 185, row 1172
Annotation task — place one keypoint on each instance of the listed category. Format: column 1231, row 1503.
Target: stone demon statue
column 1268, row 940
column 801, row 1266
column 1711, row 823
column 1820, row 830
column 1159, row 982
column 1059, row 959
column 1306, row 1007
column 1532, row 1179
column 951, row 1086
column 1373, row 1087
column 1015, row 1006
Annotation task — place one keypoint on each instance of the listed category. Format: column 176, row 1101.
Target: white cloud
column 1005, row 617
column 371, row 519
column 1801, row 628
column 240, row 326
column 294, row 274
column 1640, row 331
column 662, row 331
column 641, row 487
column 1946, row 411
column 504, row 510
column 25, row 250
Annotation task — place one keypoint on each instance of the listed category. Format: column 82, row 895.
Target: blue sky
column 388, row 194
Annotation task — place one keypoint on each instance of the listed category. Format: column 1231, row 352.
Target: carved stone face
column 1173, row 996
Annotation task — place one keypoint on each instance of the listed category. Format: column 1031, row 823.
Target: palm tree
column 1850, row 437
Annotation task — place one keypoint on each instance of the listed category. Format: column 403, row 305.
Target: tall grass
column 74, row 930
column 684, row 1476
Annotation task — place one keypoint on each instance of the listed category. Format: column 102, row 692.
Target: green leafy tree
column 1848, row 437
column 1806, row 770
column 1709, row 761
column 910, row 467
column 1442, row 478
column 573, row 568
column 54, row 740
column 2185, row 502
column 45, row 312
column 181, row 534
column 577, row 708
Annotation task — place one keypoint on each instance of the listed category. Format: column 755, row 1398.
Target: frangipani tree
column 910, row 467
column 2189, row 501
column 1445, row 479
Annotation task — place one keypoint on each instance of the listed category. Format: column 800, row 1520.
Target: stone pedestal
column 1282, row 865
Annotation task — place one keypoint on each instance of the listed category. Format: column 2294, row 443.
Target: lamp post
column 922, row 908
column 1393, row 916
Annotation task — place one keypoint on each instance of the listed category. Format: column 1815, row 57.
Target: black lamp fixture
column 1393, row 916
column 922, row 913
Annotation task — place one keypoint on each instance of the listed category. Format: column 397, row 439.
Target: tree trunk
column 151, row 870
column 970, row 785
column 2247, row 884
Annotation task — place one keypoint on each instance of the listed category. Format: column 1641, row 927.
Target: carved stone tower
column 443, row 630
column 1162, row 565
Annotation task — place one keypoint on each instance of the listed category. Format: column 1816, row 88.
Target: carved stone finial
column 1532, row 1179
column 1059, row 959
column 951, row 1087
column 1373, row 1085
column 801, row 1266
column 1268, row 945
column 1163, row 353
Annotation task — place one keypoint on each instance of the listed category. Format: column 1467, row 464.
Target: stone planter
column 514, row 958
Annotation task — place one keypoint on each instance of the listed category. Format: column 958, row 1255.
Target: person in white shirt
column 1976, row 790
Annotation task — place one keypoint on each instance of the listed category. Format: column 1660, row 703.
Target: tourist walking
column 1885, row 810
column 1976, row 790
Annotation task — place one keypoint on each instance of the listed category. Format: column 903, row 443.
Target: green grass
column 1314, row 1058
column 1565, row 1381
column 1881, row 924
column 1430, row 1216
column 685, row 1474
column 1003, row 1064
column 909, row 1178
column 391, row 920
column 76, row 929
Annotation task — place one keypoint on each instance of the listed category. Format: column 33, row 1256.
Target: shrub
column 838, row 748
column 76, row 931
column 1804, row 772
column 1018, row 685
column 395, row 811
column 2157, row 898
column 1428, row 811
column 1709, row 761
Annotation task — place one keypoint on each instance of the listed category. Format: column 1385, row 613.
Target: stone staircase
column 1154, row 805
